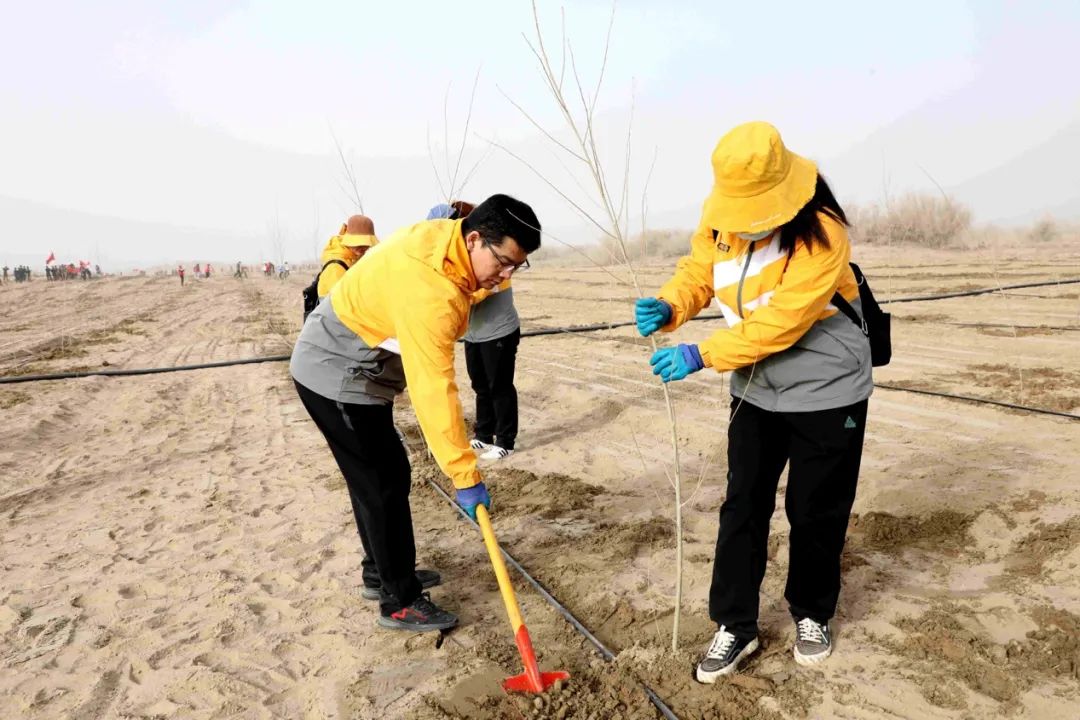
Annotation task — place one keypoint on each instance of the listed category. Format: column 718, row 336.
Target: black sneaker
column 427, row 578
column 813, row 642
column 723, row 656
column 420, row 616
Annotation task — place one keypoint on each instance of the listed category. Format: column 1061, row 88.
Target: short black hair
column 500, row 216
column 806, row 225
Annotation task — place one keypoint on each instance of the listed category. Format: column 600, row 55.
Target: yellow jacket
column 780, row 298
column 413, row 297
column 333, row 272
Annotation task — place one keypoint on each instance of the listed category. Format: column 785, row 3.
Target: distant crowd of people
column 22, row 273
column 71, row 271
column 53, row 271
column 203, row 271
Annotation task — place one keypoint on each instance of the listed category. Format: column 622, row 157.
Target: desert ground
column 180, row 545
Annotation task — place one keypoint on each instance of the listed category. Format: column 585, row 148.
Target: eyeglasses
column 504, row 262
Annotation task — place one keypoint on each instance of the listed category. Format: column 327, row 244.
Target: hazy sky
column 215, row 116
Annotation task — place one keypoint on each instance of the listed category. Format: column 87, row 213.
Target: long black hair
column 807, row 224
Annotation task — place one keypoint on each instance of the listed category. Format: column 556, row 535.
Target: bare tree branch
column 585, row 136
column 350, row 174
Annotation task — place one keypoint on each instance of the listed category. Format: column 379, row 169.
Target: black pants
column 824, row 449
column 377, row 473
column 491, row 370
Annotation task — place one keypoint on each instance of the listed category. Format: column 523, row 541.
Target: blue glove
column 651, row 314
column 469, row 498
column 675, row 363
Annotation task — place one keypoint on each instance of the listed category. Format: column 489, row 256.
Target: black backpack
column 311, row 292
column 876, row 325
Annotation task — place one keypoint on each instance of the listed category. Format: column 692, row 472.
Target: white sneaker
column 813, row 642
column 723, row 656
column 478, row 444
column 496, row 453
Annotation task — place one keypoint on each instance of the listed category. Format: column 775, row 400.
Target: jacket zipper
column 742, row 278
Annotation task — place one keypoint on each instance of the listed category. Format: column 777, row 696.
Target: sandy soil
column 180, row 545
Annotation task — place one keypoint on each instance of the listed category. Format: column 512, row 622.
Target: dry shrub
column 1045, row 230
column 653, row 244
column 928, row 221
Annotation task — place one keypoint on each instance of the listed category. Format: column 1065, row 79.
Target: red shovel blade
column 524, row 683
column 532, row 680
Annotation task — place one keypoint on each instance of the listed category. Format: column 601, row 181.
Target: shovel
column 532, row 680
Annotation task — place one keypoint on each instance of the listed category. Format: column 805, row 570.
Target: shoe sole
column 392, row 624
column 811, row 660
column 708, row 678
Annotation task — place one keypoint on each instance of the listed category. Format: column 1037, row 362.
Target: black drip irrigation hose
column 141, row 371
column 718, row 316
column 981, row 291
column 281, row 358
column 983, row 401
column 559, row 607
column 593, row 328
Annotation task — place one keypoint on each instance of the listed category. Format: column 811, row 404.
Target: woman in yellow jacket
column 355, row 238
column 772, row 248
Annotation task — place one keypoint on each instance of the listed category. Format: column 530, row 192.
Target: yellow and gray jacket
column 393, row 320
column 789, row 348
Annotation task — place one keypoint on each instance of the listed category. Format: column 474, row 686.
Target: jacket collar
column 451, row 258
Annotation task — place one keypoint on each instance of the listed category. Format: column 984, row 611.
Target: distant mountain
column 1052, row 167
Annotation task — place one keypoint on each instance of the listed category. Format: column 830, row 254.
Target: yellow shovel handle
column 507, row 590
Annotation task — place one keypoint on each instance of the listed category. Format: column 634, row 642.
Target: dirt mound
column 626, row 539
column 944, row 530
column 517, row 492
column 1054, row 649
column 548, row 495
column 940, row 638
column 608, row 539
column 595, row 691
column 1045, row 387
column 1015, row 332
column 1043, row 543
column 11, row 398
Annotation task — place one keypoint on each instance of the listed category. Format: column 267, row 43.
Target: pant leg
column 317, row 408
column 501, row 359
column 377, row 472
column 826, row 451
column 484, row 428
column 757, row 452
column 368, row 569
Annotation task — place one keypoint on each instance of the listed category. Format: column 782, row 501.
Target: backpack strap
column 845, row 307
column 331, row 262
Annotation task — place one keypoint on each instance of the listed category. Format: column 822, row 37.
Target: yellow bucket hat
column 358, row 231
column 758, row 183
